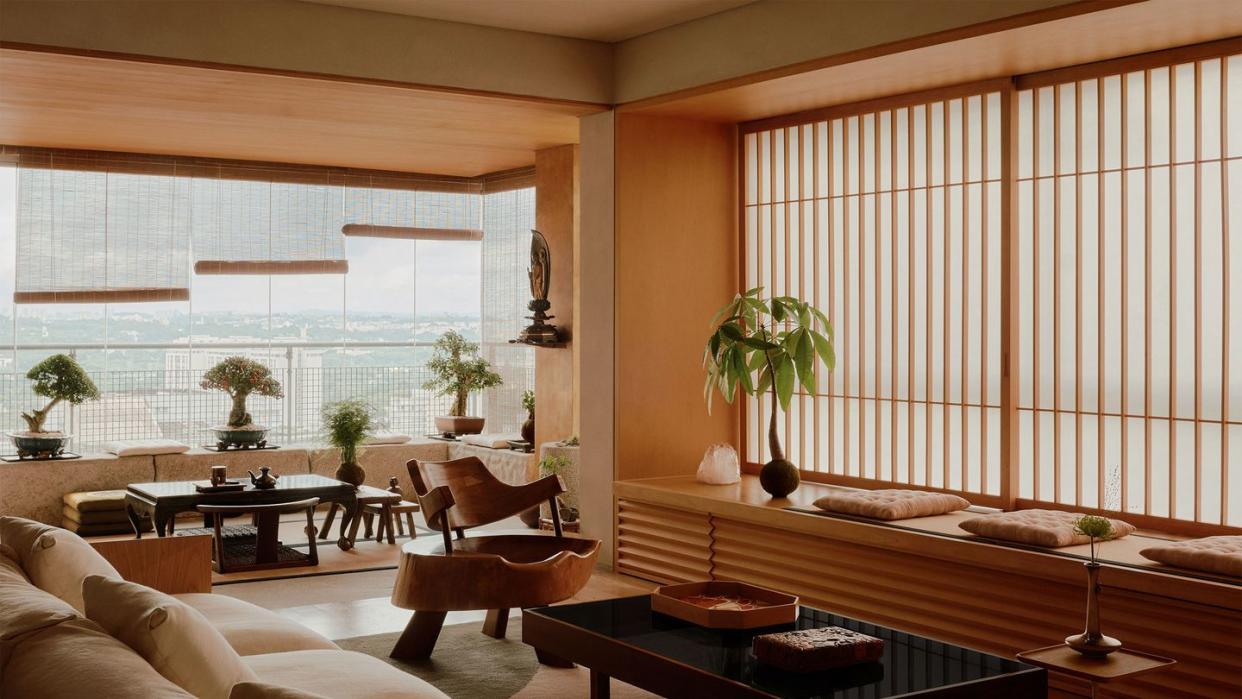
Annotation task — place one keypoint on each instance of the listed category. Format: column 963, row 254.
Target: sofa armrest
column 173, row 565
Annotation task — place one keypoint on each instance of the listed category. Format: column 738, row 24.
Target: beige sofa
column 71, row 627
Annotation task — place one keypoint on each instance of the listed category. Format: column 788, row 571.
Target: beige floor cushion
column 96, row 501
column 339, row 674
column 1213, row 554
column 175, row 639
column 77, row 660
column 145, row 447
column 1050, row 528
column 266, row 690
column 59, row 561
column 253, row 630
column 891, row 503
column 24, row 607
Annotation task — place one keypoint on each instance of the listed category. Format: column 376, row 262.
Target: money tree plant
column 760, row 345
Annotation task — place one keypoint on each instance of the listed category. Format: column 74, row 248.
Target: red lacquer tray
column 775, row 607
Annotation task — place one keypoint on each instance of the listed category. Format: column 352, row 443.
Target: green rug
column 465, row 662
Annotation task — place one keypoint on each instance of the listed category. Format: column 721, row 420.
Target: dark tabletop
column 168, row 489
column 910, row 664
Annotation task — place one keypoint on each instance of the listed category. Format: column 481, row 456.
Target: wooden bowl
column 779, row 608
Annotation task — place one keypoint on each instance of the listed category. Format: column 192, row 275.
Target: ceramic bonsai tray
column 773, row 607
column 213, row 447
column 63, row 456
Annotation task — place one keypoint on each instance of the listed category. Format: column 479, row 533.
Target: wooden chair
column 496, row 573
column 258, row 547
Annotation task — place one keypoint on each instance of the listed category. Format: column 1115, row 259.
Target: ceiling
column 60, row 100
column 599, row 20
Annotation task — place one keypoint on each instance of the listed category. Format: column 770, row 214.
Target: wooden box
column 777, row 607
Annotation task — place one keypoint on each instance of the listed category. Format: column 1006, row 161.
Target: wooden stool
column 386, row 523
column 368, row 497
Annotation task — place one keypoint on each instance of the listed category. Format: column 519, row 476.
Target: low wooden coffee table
column 623, row 638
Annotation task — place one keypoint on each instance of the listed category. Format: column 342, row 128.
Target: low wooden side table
column 1121, row 664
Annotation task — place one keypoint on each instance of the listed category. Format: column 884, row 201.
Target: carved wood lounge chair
column 496, row 573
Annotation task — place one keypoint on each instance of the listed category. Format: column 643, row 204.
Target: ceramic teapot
column 265, row 480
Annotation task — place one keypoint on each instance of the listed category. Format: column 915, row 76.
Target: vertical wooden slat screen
column 888, row 216
column 1033, row 285
column 1124, row 185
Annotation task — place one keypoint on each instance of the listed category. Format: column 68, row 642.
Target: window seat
column 925, row 575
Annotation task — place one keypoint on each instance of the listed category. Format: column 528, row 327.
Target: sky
column 387, row 276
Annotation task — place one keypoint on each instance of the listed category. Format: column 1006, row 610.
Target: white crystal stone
column 719, row 465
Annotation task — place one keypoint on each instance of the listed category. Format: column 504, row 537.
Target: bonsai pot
column 351, row 473
column 451, row 424
column 40, row 444
column 240, row 437
column 528, row 429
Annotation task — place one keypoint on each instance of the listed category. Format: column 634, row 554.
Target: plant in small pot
column 458, row 371
column 528, row 427
column 240, row 377
column 567, row 502
column 348, row 423
column 60, row 378
column 1091, row 642
column 771, row 345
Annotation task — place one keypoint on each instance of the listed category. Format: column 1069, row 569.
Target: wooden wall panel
column 556, row 216
column 660, row 544
column 676, row 262
column 173, row 565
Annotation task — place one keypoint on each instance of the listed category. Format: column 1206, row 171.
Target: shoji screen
column 888, row 217
column 1130, row 327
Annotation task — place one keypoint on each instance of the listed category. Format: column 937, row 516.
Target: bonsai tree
column 528, row 426
column 60, row 378
column 528, row 402
column 771, row 345
column 458, row 371
column 239, row 377
column 348, row 423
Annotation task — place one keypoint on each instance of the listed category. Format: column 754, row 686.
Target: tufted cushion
column 77, row 659
column 59, row 561
column 96, row 501
column 1050, row 528
column 891, row 503
column 1213, row 554
column 18, row 535
column 175, row 639
column 145, row 447
column 253, row 630
column 24, row 607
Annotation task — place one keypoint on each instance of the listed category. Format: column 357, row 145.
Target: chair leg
column 327, row 522
column 379, row 530
column 419, row 637
column 368, row 520
column 400, row 527
column 313, row 553
column 409, row 520
column 388, row 518
column 496, row 623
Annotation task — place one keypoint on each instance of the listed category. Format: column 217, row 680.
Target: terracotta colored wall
column 676, row 262
column 556, row 216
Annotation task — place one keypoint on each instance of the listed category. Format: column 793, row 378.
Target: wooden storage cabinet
column 662, row 544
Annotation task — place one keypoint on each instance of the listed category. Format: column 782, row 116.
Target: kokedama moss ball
column 779, row 477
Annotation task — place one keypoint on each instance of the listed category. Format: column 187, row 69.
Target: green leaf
column 820, row 315
column 731, row 331
column 823, row 347
column 754, row 291
column 743, row 372
column 778, row 311
column 713, row 345
column 765, row 381
column 758, row 344
column 784, row 382
column 757, row 360
column 805, row 361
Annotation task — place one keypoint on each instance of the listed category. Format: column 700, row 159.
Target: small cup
column 218, row 475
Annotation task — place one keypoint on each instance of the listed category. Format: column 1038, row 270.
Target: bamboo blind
column 1129, row 315
column 1033, row 286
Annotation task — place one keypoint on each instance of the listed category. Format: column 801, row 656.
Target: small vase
column 1091, row 642
column 528, row 429
column 352, row 474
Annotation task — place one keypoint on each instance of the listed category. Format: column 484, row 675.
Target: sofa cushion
column 1212, row 554
column 267, row 690
column 891, row 503
column 18, row 535
column 24, row 607
column 145, row 447
column 59, row 561
column 339, row 674
column 1050, row 528
column 178, row 641
column 253, row 630
column 77, row 659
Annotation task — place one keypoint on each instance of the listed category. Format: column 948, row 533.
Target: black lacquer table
column 162, row 501
column 624, row 639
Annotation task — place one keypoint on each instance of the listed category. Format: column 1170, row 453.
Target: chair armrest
column 172, row 565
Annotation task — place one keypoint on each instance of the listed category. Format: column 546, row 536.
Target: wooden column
column 556, row 216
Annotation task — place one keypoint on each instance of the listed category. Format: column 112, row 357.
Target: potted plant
column 567, row 502
column 1091, row 642
column 239, row 377
column 60, row 378
column 458, row 371
column 348, row 423
column 528, row 427
column 759, row 346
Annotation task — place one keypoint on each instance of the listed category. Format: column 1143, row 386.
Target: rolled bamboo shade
column 87, row 230
column 358, row 230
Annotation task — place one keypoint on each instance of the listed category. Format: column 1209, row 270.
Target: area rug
column 468, row 664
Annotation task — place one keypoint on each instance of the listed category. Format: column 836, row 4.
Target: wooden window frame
column 1009, row 263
